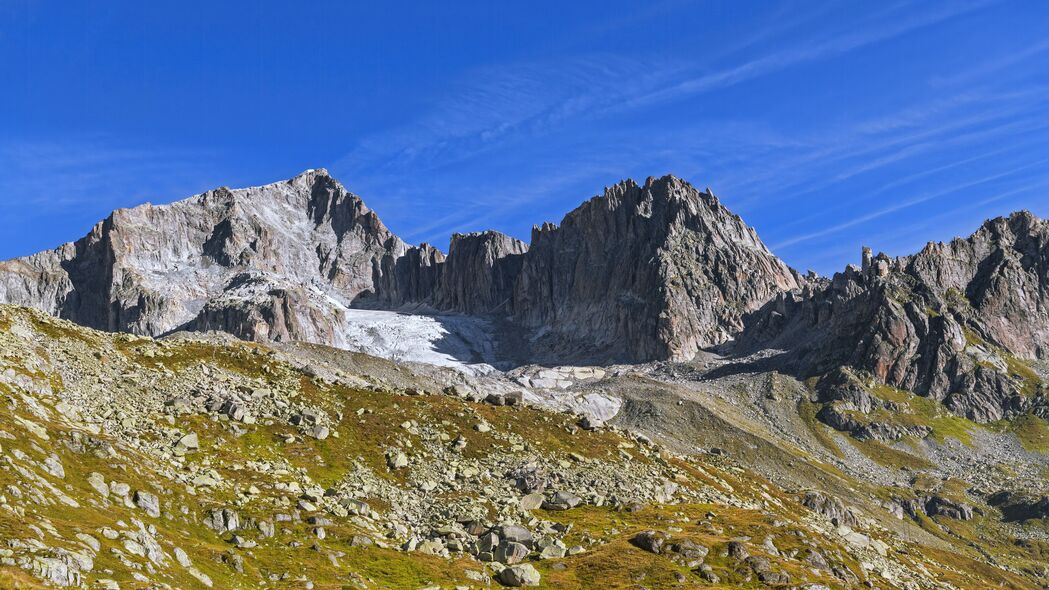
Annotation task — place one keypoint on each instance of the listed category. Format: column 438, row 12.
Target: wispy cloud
column 786, row 57
column 498, row 110
column 907, row 203
column 821, row 159
column 499, row 105
column 993, row 66
column 50, row 175
column 959, row 220
column 502, row 201
column 882, row 188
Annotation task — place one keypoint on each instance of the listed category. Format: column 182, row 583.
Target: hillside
column 197, row 461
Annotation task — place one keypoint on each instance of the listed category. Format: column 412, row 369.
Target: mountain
column 641, row 273
column 156, row 269
column 649, row 272
column 643, row 396
column 653, row 272
column 964, row 323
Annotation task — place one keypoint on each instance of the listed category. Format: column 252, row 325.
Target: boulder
column 188, row 443
column 532, row 501
column 562, row 501
column 509, row 552
column 520, row 575
column 941, row 506
column 148, row 502
column 515, row 534
column 651, row 541
column 831, row 507
column 222, row 520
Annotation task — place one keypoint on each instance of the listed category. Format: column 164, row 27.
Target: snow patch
column 461, row 342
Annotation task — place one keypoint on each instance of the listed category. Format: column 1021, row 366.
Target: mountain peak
column 309, row 173
column 947, row 322
column 647, row 272
column 609, row 275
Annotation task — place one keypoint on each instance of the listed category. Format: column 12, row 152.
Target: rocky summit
column 260, row 262
column 266, row 388
column 959, row 323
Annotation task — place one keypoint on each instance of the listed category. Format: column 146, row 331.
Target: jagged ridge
column 641, row 273
column 957, row 322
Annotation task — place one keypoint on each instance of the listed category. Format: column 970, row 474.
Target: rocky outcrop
column 646, row 272
column 640, row 273
column 1020, row 506
column 1001, row 272
column 480, row 273
column 831, row 507
column 961, row 323
column 933, row 505
column 264, row 308
column 849, row 406
column 947, row 507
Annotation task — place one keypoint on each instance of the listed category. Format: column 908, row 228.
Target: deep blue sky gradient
column 825, row 125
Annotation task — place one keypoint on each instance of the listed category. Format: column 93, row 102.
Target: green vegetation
column 956, row 298
column 916, row 410
column 901, row 295
column 1033, row 433
column 245, row 358
column 618, row 564
column 954, row 489
column 807, row 410
column 887, row 456
column 1030, row 382
column 366, row 421
column 982, row 531
column 59, row 329
column 972, row 338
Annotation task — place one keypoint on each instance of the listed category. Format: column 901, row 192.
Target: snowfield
column 461, row 342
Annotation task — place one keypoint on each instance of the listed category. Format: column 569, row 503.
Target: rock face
column 263, row 307
column 480, row 273
column 641, row 273
column 151, row 270
column 646, row 272
column 406, row 279
column 964, row 323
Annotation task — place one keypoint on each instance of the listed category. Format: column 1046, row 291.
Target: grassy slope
column 612, row 563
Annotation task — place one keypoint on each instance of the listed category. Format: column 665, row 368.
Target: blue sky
column 825, row 125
